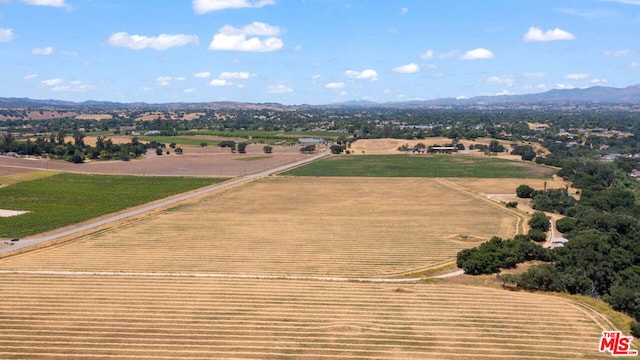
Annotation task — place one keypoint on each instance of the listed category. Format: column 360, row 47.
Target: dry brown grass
column 293, row 226
column 92, row 316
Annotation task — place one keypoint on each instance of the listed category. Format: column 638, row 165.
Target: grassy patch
column 27, row 176
column 421, row 166
column 64, row 199
column 253, row 158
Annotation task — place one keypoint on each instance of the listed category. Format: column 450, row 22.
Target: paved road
column 37, row 239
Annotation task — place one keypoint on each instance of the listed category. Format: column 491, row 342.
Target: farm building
column 442, row 149
column 559, row 242
column 311, row 141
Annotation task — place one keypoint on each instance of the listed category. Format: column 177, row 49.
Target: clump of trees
column 228, row 143
column 602, row 257
column 77, row 151
column 526, row 152
column 497, row 254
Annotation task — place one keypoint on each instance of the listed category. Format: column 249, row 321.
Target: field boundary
column 214, row 276
column 521, row 219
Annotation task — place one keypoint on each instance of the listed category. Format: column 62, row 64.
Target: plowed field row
column 90, row 316
column 291, row 226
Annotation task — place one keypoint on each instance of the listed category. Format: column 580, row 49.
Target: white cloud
column 52, row 82
column 279, row 89
column 364, row 74
column 54, row 3
column 164, row 80
column 334, row 85
column 48, row 50
column 236, row 39
column 620, row 53
column 404, row 10
column 564, row 86
column 407, row 69
column 30, row 77
column 219, row 82
column 242, row 75
column 581, row 76
column 476, row 54
column 73, row 86
column 503, row 80
column 6, row 35
column 431, row 54
column 160, row 42
column 181, row 78
column 202, row 75
column 598, row 81
column 205, row 6
column 536, row 75
column 535, row 34
column 634, row 65
column 188, row 90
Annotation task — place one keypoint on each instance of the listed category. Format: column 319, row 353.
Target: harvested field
column 196, row 161
column 92, row 316
column 353, row 227
column 506, row 186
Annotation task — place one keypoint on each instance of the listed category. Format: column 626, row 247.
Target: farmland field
column 353, row 227
column 290, row 267
column 422, row 166
column 63, row 199
column 142, row 317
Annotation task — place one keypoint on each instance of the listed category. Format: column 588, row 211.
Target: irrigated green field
column 63, row 199
column 422, row 166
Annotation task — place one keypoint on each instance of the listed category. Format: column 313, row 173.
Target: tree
column 495, row 146
column 268, row 149
column 537, row 235
column 78, row 139
column 309, row 149
column 242, row 147
column 158, row 151
column 565, row 224
column 178, row 150
column 524, row 191
column 335, row 149
column 539, row 221
column 228, row 143
column 528, row 155
column 203, row 144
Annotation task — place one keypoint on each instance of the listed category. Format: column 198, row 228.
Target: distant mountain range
column 597, row 95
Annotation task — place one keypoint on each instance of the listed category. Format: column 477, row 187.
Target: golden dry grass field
column 354, row 227
column 137, row 317
column 173, row 285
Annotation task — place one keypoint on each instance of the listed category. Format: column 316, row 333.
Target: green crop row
column 421, row 166
column 65, row 198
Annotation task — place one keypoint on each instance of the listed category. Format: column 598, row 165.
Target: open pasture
column 142, row 317
column 351, row 227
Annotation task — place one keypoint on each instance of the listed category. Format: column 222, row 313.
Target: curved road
column 31, row 241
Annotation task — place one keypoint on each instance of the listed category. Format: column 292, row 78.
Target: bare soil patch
column 195, row 161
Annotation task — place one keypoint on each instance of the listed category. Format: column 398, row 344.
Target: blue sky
column 312, row 51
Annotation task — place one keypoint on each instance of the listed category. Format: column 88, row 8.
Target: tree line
column 601, row 258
